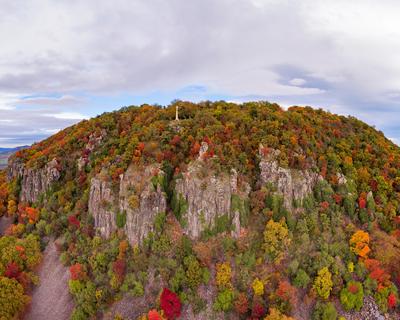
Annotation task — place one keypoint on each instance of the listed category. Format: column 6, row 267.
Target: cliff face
column 101, row 206
column 136, row 203
column 204, row 196
column 292, row 184
column 141, row 198
column 34, row 182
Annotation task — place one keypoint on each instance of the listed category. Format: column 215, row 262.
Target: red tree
column 392, row 301
column 77, row 272
column 73, row 221
column 170, row 304
column 241, row 303
column 257, row 311
column 154, row 315
column 12, row 270
column 119, row 267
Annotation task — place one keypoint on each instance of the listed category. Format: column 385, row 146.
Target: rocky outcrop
column 93, row 141
column 34, row 182
column 369, row 311
column 141, row 198
column 207, row 197
column 137, row 202
column 292, row 184
column 102, row 206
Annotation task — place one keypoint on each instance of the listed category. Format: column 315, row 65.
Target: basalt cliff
column 227, row 211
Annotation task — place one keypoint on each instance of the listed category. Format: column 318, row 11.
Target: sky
column 66, row 60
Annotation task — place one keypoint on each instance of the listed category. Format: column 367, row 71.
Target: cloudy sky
column 62, row 61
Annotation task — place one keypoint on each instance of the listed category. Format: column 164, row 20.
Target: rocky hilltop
column 234, row 211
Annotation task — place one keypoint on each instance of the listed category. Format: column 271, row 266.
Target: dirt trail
column 51, row 299
column 5, row 222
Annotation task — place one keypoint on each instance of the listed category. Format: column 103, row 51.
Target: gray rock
column 101, row 206
column 292, row 184
column 208, row 196
column 137, row 197
column 34, row 182
column 137, row 182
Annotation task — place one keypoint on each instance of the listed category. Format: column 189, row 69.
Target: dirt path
column 51, row 299
column 4, row 224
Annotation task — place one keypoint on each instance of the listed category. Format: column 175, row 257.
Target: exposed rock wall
column 292, row 184
column 34, row 182
column 102, row 206
column 208, row 196
column 140, row 198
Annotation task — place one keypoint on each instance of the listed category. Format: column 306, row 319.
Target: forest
column 324, row 255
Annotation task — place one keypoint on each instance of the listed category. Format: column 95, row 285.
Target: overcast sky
column 62, row 61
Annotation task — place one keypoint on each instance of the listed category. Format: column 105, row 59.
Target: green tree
column 352, row 296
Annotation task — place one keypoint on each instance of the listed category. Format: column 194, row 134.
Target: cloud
column 339, row 55
column 297, row 82
column 65, row 100
column 66, row 115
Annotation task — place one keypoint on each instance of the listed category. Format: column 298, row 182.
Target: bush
column 224, row 274
column 120, row 219
column 302, row 279
column 194, row 273
column 224, row 300
column 170, row 304
column 323, row 283
column 324, row 311
column 352, row 296
column 258, row 287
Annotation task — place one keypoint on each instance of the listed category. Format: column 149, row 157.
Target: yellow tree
column 276, row 239
column 258, row 287
column 223, row 276
column 323, row 283
column 275, row 314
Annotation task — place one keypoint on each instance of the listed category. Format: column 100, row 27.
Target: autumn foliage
column 154, row 315
column 77, row 272
column 359, row 243
column 170, row 304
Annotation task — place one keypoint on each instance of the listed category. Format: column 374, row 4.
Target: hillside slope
column 226, row 205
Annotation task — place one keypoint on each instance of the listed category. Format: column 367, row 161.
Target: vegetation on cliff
column 317, row 255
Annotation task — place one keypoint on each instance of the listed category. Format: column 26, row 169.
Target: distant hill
column 5, row 153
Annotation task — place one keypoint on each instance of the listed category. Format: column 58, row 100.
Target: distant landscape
column 5, row 153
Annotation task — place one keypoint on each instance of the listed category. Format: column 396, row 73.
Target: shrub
column 154, row 315
column 302, row 279
column 241, row 303
column 12, row 298
column 170, row 304
column 275, row 314
column 224, row 274
column 324, row 311
column 120, row 219
column 224, row 300
column 77, row 272
column 258, row 287
column 323, row 283
column 276, row 239
column 359, row 243
column 194, row 273
column 352, row 296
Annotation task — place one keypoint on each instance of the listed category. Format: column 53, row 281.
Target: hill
column 238, row 211
column 5, row 153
